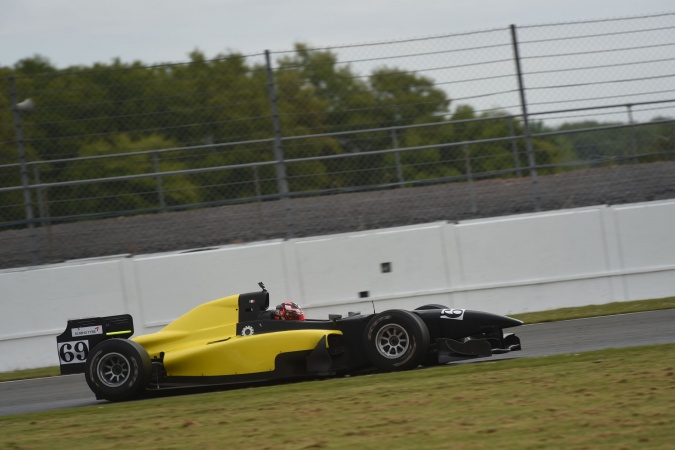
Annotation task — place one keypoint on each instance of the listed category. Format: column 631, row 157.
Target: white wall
column 506, row 265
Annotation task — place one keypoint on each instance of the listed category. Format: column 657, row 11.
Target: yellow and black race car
column 238, row 339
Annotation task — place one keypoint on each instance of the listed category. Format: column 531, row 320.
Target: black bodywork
column 454, row 334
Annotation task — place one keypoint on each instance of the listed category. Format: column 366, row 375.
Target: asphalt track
column 570, row 336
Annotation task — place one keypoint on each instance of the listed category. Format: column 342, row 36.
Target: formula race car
column 238, row 339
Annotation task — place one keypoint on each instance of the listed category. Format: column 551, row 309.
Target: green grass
column 610, row 399
column 596, row 310
column 533, row 317
column 30, row 373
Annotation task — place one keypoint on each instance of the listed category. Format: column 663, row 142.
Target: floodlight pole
column 28, row 205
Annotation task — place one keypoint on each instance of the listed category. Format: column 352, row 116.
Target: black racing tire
column 118, row 370
column 431, row 358
column 431, row 306
column 396, row 340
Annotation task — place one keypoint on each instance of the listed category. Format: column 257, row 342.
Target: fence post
column 633, row 139
column 43, row 206
column 158, row 179
column 526, row 122
column 28, row 205
column 469, row 178
column 282, row 178
column 397, row 157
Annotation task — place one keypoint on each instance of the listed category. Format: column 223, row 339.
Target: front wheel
column 396, row 340
column 118, row 369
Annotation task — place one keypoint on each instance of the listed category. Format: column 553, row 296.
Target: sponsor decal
column 87, row 331
column 247, row 330
column 455, row 314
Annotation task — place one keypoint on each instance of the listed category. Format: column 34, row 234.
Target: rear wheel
column 396, row 340
column 118, row 369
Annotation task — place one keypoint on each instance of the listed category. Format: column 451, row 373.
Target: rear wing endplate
column 81, row 335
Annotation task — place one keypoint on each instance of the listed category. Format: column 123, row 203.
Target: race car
column 239, row 339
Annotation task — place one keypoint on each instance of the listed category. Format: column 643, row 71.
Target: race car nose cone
column 511, row 322
column 493, row 320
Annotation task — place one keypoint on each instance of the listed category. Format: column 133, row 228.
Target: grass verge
column 609, row 399
column 596, row 310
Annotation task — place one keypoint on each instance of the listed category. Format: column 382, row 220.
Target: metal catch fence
column 127, row 158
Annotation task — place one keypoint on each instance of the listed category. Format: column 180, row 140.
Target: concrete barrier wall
column 505, row 265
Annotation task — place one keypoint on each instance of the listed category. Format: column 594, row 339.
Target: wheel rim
column 113, row 369
column 392, row 341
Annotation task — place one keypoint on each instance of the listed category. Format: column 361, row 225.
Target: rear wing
column 81, row 335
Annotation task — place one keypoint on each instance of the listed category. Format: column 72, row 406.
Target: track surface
column 571, row 336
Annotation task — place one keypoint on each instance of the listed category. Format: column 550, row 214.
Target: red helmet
column 289, row 311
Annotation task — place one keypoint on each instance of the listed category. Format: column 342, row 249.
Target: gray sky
column 82, row 32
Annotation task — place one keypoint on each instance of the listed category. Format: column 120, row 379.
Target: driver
column 288, row 311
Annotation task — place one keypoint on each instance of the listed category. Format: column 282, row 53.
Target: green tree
column 123, row 195
column 657, row 141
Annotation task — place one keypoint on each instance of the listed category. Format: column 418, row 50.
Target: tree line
column 129, row 108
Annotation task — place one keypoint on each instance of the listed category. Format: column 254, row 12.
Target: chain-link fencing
column 126, row 158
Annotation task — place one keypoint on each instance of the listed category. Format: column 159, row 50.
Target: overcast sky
column 82, row 32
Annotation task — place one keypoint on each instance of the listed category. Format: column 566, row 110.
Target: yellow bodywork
column 204, row 342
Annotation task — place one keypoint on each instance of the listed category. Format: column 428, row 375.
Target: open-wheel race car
column 238, row 339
